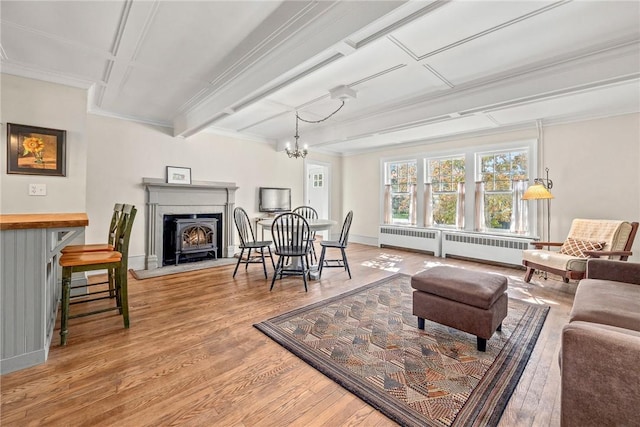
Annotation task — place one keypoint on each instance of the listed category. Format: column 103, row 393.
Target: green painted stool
column 101, row 247
column 115, row 260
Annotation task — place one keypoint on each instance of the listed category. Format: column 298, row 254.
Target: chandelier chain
column 321, row 120
column 296, row 152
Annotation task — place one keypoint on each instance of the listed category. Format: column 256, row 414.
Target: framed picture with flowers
column 33, row 150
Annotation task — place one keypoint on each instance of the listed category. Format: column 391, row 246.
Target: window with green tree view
column 473, row 188
column 444, row 175
column 400, row 176
column 497, row 171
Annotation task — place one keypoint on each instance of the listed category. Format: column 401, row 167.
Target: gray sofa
column 600, row 356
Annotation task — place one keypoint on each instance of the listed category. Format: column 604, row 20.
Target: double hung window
column 482, row 186
column 500, row 172
column 401, row 178
column 446, row 178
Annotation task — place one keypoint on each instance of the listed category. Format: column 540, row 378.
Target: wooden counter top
column 45, row 220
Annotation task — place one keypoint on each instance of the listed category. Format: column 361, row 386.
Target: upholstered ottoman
column 470, row 301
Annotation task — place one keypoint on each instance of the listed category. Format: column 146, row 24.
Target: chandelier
column 296, row 152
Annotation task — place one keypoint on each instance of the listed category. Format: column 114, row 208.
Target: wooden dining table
column 317, row 224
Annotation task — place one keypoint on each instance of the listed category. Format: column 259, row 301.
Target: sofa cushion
column 618, row 271
column 599, row 376
column 607, row 302
column 555, row 260
column 577, row 247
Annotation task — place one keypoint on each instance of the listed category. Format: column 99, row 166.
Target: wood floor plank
column 193, row 358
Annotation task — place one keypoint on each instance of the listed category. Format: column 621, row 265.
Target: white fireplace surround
column 175, row 199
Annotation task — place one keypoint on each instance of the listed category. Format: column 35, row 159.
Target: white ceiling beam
column 294, row 34
column 587, row 72
column 130, row 33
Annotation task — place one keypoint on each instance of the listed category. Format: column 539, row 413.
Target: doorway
column 317, row 189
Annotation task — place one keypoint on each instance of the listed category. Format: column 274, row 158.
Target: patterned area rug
column 367, row 340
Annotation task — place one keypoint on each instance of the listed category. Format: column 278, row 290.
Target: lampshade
column 537, row 192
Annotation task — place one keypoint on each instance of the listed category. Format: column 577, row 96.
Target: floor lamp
column 540, row 191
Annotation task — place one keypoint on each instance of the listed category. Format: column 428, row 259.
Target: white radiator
column 501, row 249
column 421, row 239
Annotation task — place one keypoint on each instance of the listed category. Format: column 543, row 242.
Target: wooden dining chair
column 307, row 212
column 249, row 243
column 115, row 260
column 290, row 233
column 341, row 244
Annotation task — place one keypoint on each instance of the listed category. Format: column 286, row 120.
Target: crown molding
column 99, row 112
column 65, row 79
column 58, row 39
column 501, row 129
column 452, row 137
column 577, row 118
column 238, row 135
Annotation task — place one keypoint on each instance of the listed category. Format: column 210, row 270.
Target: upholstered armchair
column 588, row 238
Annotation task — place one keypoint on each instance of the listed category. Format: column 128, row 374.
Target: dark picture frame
column 33, row 150
column 178, row 175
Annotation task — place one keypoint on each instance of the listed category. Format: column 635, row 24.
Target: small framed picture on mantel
column 178, row 175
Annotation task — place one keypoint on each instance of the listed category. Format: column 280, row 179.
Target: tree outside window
column 444, row 175
column 401, row 175
column 497, row 171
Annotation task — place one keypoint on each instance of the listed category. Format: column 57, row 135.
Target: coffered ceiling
column 420, row 70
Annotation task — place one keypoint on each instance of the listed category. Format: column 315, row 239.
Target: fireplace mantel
column 174, row 199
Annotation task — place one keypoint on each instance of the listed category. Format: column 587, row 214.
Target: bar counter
column 45, row 220
column 30, row 247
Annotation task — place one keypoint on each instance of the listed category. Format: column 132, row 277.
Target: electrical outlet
column 37, row 189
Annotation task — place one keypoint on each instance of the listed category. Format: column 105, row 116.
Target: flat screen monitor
column 274, row 199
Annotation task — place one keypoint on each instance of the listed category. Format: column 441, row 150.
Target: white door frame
column 309, row 164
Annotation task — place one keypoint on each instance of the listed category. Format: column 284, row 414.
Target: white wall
column 121, row 153
column 37, row 103
column 594, row 165
column 595, row 169
column 107, row 159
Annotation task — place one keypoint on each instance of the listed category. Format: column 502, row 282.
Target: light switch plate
column 37, row 189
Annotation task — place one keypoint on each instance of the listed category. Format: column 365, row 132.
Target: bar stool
column 114, row 260
column 100, row 247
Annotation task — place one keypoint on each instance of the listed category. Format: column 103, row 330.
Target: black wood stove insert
column 191, row 237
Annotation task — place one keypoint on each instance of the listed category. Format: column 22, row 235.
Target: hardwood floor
column 192, row 356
